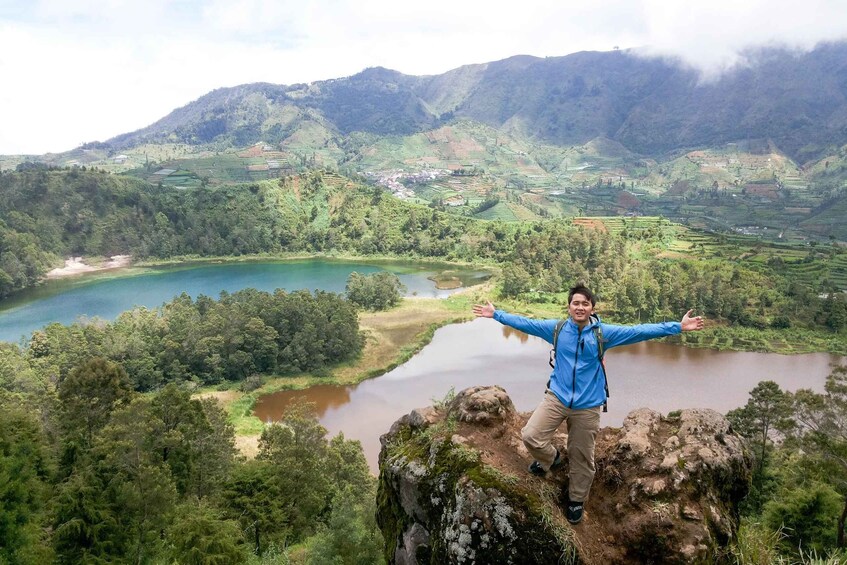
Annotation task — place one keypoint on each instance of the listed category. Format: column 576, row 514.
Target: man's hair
column 583, row 290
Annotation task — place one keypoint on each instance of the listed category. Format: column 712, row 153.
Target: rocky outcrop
column 453, row 488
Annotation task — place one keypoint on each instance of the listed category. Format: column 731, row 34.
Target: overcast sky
column 75, row 71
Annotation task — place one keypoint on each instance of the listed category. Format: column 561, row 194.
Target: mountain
column 652, row 106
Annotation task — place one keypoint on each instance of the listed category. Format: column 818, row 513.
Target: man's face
column 580, row 308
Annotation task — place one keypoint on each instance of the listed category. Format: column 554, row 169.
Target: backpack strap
column 556, row 333
column 601, row 351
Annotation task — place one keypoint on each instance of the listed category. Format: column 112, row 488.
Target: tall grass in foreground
column 759, row 545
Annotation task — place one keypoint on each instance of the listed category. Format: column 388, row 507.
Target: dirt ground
column 591, row 224
column 506, row 453
column 387, row 333
column 224, row 397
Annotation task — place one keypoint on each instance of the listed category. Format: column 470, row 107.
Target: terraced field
column 820, row 270
column 808, row 264
column 501, row 211
column 617, row 224
column 747, row 186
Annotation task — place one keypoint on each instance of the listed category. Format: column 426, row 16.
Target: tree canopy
column 378, row 291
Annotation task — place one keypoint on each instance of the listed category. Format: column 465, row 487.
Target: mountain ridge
column 650, row 105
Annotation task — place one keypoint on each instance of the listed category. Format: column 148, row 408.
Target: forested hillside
column 641, row 273
column 95, row 473
column 759, row 148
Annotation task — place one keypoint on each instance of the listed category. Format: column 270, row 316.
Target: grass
column 551, row 516
column 757, row 545
column 501, row 211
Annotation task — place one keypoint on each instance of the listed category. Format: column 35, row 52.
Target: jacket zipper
column 575, row 358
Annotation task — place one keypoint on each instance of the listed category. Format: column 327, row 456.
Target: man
column 576, row 391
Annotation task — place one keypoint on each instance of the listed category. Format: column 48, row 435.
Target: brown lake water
column 660, row 376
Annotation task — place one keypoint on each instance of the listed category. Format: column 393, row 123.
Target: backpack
column 601, row 350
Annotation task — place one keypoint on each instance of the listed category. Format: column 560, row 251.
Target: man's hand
column 690, row 324
column 484, row 310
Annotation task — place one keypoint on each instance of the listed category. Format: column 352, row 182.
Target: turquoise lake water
column 89, row 296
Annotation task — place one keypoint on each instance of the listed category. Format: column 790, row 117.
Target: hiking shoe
column 574, row 512
column 557, row 462
column 536, row 469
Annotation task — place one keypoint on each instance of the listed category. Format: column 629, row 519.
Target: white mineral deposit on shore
column 76, row 266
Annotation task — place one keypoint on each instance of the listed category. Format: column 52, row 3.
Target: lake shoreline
column 81, row 267
column 392, row 338
column 75, row 266
column 718, row 335
column 663, row 377
column 455, row 309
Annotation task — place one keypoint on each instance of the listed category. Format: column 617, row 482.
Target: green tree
column 199, row 536
column 26, row 470
column 833, row 311
column 765, row 415
column 214, row 446
column 89, row 395
column 16, row 374
column 193, row 438
column 350, row 537
column 348, row 468
column 377, row 291
column 134, row 341
column 138, row 484
column 807, row 515
column 821, row 428
column 85, row 528
column 297, row 449
column 516, row 281
column 761, row 421
column 252, row 496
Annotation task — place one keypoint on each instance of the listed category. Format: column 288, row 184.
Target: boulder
column 453, row 488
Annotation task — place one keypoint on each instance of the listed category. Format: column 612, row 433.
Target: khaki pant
column 582, row 426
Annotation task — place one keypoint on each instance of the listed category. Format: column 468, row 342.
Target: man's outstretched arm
column 539, row 328
column 627, row 335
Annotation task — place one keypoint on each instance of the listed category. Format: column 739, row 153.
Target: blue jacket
column 578, row 380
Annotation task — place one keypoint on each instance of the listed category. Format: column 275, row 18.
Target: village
column 398, row 181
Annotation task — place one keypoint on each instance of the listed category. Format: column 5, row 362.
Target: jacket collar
column 593, row 320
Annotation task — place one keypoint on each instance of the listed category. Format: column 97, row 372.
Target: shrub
column 808, row 517
column 378, row 291
column 251, row 383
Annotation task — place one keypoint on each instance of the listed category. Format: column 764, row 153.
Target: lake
column 661, row 376
column 657, row 375
column 92, row 295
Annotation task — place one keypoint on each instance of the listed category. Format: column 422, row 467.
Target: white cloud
column 712, row 36
column 84, row 70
